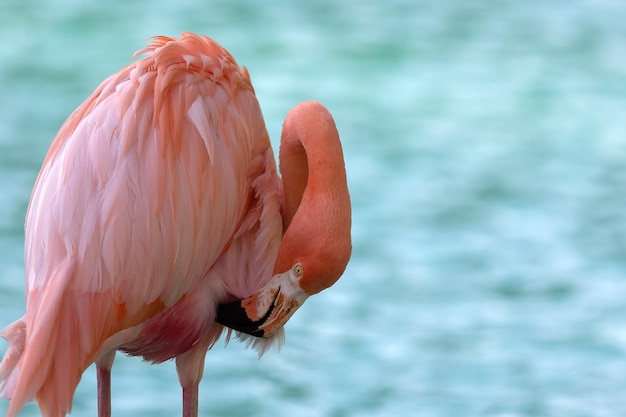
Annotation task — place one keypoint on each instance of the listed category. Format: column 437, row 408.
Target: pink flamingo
column 158, row 218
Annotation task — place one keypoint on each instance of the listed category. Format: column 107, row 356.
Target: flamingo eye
column 298, row 270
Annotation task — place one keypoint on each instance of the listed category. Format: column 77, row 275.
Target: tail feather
column 15, row 334
column 42, row 362
column 48, row 367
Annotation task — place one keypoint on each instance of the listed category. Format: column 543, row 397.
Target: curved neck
column 316, row 202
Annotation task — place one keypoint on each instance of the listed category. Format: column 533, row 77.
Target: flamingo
column 158, row 219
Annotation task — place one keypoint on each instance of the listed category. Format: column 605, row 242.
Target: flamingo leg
column 190, row 367
column 190, row 401
column 103, row 374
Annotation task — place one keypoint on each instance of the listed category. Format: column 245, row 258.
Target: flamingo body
column 158, row 200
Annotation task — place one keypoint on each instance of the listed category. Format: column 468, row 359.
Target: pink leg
column 190, row 366
column 190, row 401
column 103, row 374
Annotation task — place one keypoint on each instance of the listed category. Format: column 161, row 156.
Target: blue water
column 485, row 144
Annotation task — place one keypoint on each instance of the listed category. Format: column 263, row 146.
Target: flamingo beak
column 266, row 311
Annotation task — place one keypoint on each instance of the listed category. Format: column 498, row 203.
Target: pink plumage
column 158, row 200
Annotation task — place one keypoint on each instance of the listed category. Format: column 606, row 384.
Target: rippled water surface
column 485, row 144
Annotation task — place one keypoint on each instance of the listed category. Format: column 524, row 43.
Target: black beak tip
column 234, row 316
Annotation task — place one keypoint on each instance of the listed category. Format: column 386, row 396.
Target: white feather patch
column 197, row 115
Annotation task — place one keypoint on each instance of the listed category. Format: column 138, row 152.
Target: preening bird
column 158, row 218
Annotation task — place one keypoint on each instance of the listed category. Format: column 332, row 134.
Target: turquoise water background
column 485, row 144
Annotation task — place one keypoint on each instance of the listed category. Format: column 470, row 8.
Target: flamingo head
column 266, row 311
column 263, row 313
